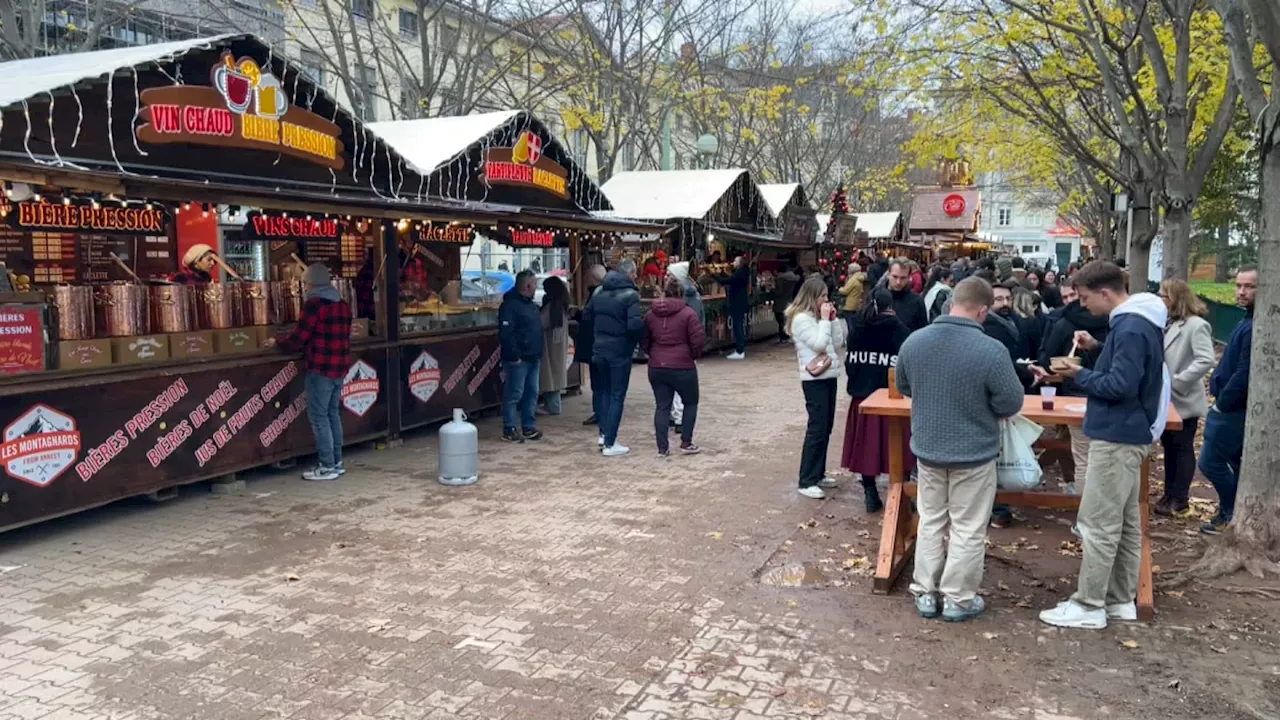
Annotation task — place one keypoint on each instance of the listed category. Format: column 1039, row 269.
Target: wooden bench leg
column 1146, row 587
column 897, row 536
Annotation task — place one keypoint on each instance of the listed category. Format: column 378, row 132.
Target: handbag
column 818, row 365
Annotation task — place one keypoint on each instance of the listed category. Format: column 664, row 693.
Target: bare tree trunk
column 1176, row 256
column 1144, row 231
column 1252, row 540
column 1106, row 240
column 1220, row 256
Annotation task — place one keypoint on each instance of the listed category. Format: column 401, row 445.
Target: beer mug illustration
column 235, row 86
column 270, row 95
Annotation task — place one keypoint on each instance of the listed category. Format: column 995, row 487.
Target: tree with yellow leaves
column 1136, row 91
column 795, row 97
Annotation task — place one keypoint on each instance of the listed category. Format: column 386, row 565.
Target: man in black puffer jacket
column 584, row 341
column 617, row 317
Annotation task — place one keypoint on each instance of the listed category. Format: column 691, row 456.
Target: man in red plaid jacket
column 323, row 335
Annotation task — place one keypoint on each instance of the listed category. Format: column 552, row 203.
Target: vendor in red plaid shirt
column 323, row 335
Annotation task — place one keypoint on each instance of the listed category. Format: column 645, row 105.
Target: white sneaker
column 320, row 472
column 827, row 482
column 1071, row 614
column 341, row 468
column 736, row 356
column 600, row 441
column 814, row 492
column 615, row 450
column 1123, row 611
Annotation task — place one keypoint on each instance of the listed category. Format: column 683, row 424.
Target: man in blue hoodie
column 520, row 332
column 1128, row 391
column 1224, row 427
column 618, row 319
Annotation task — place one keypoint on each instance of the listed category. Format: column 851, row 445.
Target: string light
column 66, row 199
column 186, row 206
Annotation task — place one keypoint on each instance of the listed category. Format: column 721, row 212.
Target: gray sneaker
column 927, row 605
column 953, row 611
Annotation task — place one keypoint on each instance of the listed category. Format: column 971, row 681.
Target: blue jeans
column 1220, row 457
column 614, row 376
column 552, row 401
column 520, row 391
column 739, row 322
column 597, row 394
column 324, row 400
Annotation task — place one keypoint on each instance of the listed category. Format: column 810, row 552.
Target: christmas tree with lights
column 829, row 257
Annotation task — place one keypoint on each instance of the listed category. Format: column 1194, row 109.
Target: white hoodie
column 1150, row 307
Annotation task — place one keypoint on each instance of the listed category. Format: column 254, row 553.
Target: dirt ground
column 568, row 585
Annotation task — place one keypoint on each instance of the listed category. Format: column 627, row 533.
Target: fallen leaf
column 1175, row 683
column 715, row 535
column 990, row 636
column 1175, row 594
column 1131, row 644
column 846, row 546
column 291, row 578
column 791, row 603
column 971, row 658
column 1033, row 547
column 1219, row 650
column 1155, row 569
column 778, row 691
column 864, row 533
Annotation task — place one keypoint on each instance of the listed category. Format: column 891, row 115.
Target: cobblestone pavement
column 564, row 585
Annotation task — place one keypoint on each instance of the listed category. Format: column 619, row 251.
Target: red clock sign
column 953, row 205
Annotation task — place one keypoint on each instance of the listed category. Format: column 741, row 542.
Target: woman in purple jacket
column 673, row 338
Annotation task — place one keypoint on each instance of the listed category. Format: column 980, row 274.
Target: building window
column 312, row 66
column 578, row 145
column 362, row 8
column 408, row 24
column 1004, row 217
column 1030, row 249
column 365, row 102
column 627, row 156
column 409, row 104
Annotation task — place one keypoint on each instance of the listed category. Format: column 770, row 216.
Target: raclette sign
column 525, row 165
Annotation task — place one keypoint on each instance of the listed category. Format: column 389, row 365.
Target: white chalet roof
column 777, row 195
column 668, row 194
column 878, row 224
column 431, row 143
column 24, row 79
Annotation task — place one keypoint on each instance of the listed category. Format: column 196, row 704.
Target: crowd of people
column 967, row 341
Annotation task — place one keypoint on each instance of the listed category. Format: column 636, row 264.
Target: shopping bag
column 1017, row 467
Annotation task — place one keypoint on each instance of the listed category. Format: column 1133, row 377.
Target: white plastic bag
column 1017, row 467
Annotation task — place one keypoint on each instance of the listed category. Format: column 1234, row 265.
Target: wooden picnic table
column 897, row 537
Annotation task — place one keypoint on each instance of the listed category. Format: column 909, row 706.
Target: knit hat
column 1004, row 268
column 316, row 274
column 679, row 269
column 196, row 252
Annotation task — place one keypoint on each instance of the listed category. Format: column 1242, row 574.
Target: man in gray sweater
column 961, row 385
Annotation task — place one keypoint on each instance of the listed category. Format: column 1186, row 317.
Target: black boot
column 872, row 495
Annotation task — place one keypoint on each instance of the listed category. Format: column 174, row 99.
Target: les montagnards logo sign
column 525, row 165
column 246, row 107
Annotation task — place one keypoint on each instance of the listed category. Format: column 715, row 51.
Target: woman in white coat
column 1188, row 351
column 818, row 337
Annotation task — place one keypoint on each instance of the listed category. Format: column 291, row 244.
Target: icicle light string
column 75, row 139
column 26, row 137
column 111, row 136
column 137, row 110
column 53, row 138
